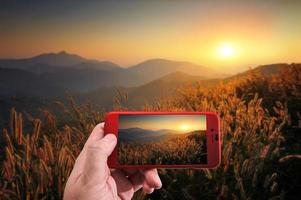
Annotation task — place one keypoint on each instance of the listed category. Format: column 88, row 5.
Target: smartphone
column 164, row 139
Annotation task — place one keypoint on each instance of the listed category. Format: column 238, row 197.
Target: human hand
column 91, row 177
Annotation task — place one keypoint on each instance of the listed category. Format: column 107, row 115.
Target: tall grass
column 176, row 149
column 38, row 163
column 259, row 115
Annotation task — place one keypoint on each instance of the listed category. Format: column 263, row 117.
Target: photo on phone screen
column 162, row 139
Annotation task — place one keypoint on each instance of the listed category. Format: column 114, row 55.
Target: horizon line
column 137, row 63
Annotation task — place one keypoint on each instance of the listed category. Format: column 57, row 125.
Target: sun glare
column 226, row 51
column 184, row 127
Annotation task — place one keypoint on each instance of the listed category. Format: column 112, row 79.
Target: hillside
column 52, row 62
column 155, row 68
column 150, row 92
column 266, row 70
column 86, row 79
column 17, row 82
column 139, row 135
column 77, row 74
column 260, row 126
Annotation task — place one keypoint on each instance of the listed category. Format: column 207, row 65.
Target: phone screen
column 162, row 139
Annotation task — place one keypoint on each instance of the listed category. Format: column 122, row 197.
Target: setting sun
column 226, row 51
column 184, row 127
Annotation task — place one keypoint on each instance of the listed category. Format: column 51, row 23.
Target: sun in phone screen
column 162, row 139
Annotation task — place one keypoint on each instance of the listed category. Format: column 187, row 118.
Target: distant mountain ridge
column 147, row 93
column 156, row 68
column 52, row 62
column 17, row 82
column 266, row 70
column 149, row 80
column 28, row 91
column 145, row 135
column 77, row 74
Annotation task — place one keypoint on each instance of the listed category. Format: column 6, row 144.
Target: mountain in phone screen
column 162, row 140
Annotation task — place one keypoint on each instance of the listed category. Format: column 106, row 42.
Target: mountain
column 143, row 135
column 100, row 65
column 149, row 92
column 156, row 68
column 77, row 74
column 267, row 70
column 146, row 81
column 17, row 82
column 51, row 62
column 59, row 59
column 86, row 79
column 165, row 86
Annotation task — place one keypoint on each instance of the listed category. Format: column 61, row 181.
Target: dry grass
column 256, row 114
column 175, row 150
column 38, row 163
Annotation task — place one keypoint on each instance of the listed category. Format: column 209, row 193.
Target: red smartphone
column 164, row 139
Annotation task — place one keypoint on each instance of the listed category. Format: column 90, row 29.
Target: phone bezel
column 213, row 145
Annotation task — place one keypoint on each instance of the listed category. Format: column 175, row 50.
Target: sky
column 222, row 35
column 182, row 123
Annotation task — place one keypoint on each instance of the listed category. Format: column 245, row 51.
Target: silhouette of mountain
column 51, row 62
column 17, row 82
column 98, row 86
column 145, row 135
column 85, row 79
column 150, row 92
column 146, row 81
column 267, row 70
column 60, row 59
column 77, row 74
column 166, row 86
column 156, row 68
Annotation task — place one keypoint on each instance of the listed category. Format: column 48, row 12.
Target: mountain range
column 77, row 74
column 49, row 76
column 136, row 134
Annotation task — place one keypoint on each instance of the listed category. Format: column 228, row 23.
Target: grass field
column 260, row 126
column 182, row 149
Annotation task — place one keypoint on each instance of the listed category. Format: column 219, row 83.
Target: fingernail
column 159, row 182
column 110, row 138
column 150, row 191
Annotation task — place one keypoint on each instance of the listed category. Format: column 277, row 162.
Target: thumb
column 96, row 169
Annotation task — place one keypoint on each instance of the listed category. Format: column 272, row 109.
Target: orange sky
column 183, row 123
column 128, row 32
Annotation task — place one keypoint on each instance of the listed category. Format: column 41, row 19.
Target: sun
column 184, row 127
column 226, row 51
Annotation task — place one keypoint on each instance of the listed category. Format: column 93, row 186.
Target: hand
column 91, row 177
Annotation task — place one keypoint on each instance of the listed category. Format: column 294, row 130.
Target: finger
column 97, row 154
column 137, row 181
column 112, row 186
column 147, row 189
column 152, row 178
column 96, row 134
column 125, row 188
